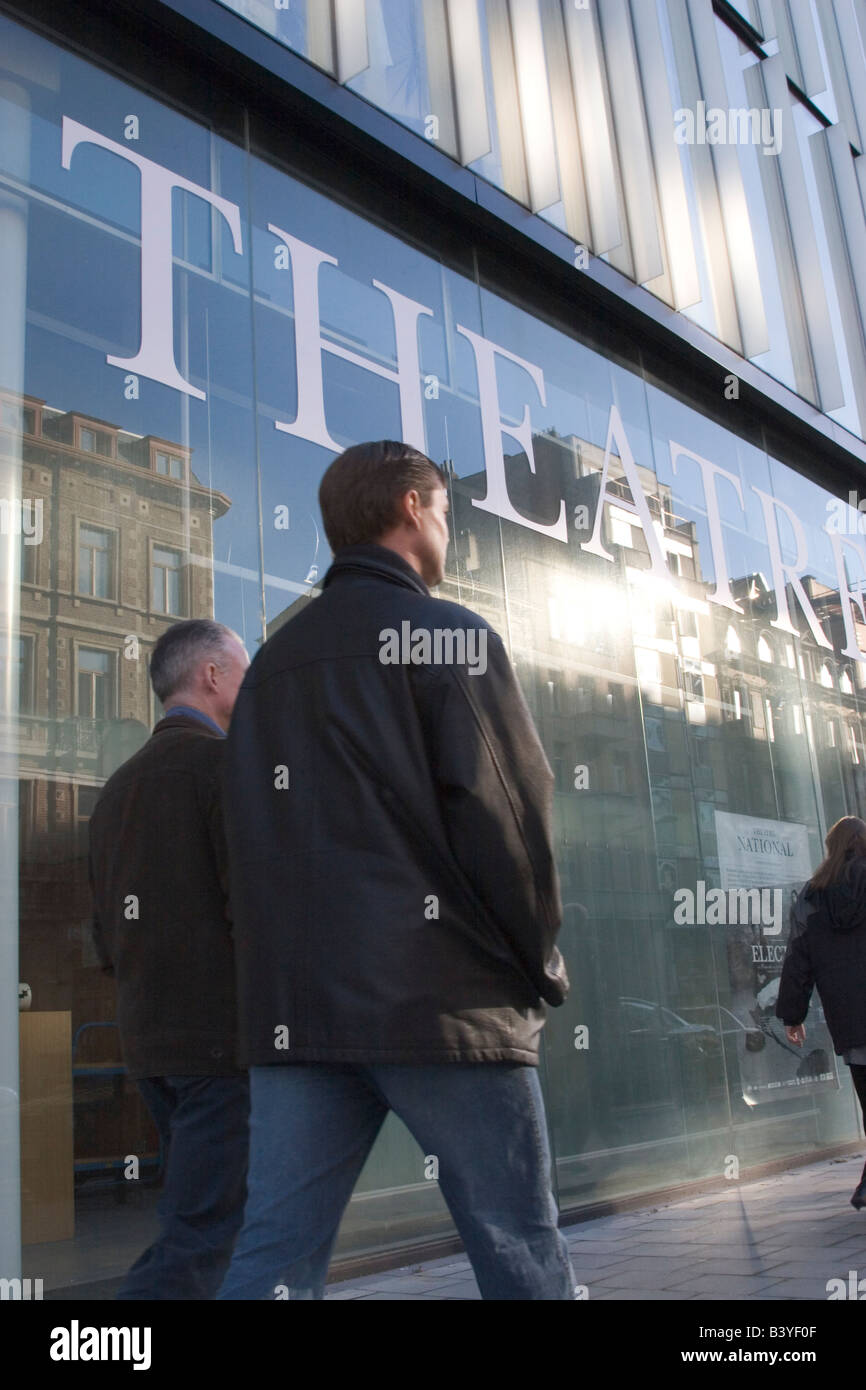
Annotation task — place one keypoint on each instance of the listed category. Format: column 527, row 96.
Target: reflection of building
column 790, row 692
column 606, row 649
column 121, row 550
column 290, row 611
column 657, row 708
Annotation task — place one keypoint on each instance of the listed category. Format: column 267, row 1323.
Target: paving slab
column 775, row 1239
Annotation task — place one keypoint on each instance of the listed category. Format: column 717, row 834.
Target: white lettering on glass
column 155, row 356
column 155, row 361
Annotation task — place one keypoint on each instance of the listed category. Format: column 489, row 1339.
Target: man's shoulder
column 176, row 746
column 322, row 629
column 448, row 613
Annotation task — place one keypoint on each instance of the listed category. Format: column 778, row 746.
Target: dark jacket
column 827, row 950
column 397, row 901
column 158, row 879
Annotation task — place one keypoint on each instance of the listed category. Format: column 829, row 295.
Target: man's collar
column 375, row 559
column 190, row 712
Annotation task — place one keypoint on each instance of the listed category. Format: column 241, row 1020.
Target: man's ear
column 410, row 506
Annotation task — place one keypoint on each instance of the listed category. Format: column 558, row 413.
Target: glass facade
column 203, row 330
column 711, row 154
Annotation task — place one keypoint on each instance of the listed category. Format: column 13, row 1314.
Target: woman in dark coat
column 827, row 951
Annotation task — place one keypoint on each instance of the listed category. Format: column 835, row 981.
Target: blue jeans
column 312, row 1127
column 203, row 1125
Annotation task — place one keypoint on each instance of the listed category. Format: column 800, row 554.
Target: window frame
column 182, row 569
column 113, row 560
column 111, row 702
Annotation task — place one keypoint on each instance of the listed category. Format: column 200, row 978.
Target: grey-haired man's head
column 200, row 663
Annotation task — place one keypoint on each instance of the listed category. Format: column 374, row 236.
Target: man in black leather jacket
column 395, row 901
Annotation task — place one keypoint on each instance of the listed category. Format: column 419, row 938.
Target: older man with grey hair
column 162, row 928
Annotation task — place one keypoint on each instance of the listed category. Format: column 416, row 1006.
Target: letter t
column 155, row 356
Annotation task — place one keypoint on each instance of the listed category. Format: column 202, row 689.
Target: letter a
column 616, row 437
column 389, row 652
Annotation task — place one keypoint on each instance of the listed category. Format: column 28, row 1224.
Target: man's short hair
column 179, row 651
column 360, row 492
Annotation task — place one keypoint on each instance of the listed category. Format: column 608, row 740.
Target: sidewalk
column 781, row 1237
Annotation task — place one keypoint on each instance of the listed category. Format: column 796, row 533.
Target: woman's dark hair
column 846, row 840
column 360, row 491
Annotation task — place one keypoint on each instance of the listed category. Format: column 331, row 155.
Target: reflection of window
column 845, row 683
column 620, row 532
column 701, row 749
column 757, row 710
column 621, row 774
column 687, row 622
column 165, row 581
column 615, row 698
column 169, row 466
column 647, row 665
column 798, row 718
column 826, row 676
column 28, row 563
column 765, row 651
column 24, row 664
column 831, row 733
column 852, row 743
column 95, row 685
column 85, row 801
column 94, row 561
column 94, row 441
column 128, row 448
column 20, row 418
column 693, row 682
column 732, row 642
